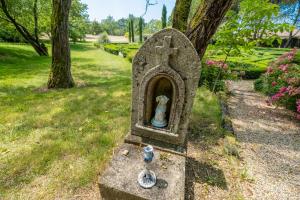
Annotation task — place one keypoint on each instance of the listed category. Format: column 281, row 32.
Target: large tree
column 15, row 11
column 152, row 26
column 203, row 24
column 60, row 74
column 290, row 13
column 78, row 20
column 33, row 20
column 181, row 14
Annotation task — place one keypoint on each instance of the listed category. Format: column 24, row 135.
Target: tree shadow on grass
column 19, row 169
column 82, row 127
column 10, row 51
column 199, row 172
column 22, row 63
column 53, row 148
column 82, row 47
column 204, row 133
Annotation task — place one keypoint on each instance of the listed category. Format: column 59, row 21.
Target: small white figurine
column 159, row 119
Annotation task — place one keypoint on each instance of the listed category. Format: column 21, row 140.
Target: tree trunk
column 35, row 16
column 205, row 23
column 181, row 14
column 288, row 42
column 60, row 74
column 40, row 48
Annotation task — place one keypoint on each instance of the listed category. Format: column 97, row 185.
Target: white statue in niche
column 159, row 119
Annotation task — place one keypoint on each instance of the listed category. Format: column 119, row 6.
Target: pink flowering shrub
column 213, row 74
column 281, row 82
column 219, row 64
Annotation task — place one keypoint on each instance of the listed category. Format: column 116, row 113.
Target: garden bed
column 248, row 65
column 126, row 50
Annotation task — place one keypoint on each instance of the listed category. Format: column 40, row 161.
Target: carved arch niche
column 161, row 81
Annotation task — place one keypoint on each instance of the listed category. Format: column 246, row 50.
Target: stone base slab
column 162, row 146
column 119, row 180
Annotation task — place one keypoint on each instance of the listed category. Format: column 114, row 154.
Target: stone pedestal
column 119, row 180
column 165, row 76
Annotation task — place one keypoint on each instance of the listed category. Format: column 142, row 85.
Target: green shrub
column 9, row 33
column 213, row 74
column 246, row 70
column 259, row 84
column 297, row 59
column 97, row 45
column 253, row 73
column 111, row 48
column 130, row 56
column 210, row 77
column 103, row 38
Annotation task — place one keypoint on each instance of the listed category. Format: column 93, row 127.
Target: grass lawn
column 53, row 144
column 214, row 169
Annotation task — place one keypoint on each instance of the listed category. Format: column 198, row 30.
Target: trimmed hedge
column 112, row 50
column 253, row 73
column 125, row 49
column 246, row 70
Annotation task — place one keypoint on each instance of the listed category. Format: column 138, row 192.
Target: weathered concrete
column 119, row 180
column 167, row 64
column 163, row 146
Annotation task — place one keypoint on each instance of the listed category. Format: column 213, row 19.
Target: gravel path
column 270, row 144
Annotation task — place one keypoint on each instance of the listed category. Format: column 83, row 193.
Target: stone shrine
column 167, row 64
column 165, row 76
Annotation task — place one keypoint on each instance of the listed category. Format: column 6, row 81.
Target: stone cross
column 166, row 51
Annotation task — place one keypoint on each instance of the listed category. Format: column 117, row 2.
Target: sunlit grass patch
column 214, row 165
column 54, row 142
column 206, row 117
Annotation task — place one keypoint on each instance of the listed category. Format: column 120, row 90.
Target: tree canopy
column 22, row 11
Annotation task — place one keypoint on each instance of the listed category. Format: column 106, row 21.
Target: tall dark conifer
column 129, row 31
column 141, row 23
column 164, row 17
column 132, row 29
